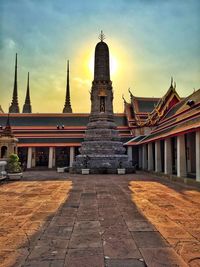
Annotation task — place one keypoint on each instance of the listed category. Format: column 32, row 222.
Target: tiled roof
column 181, row 118
column 55, row 119
column 146, row 105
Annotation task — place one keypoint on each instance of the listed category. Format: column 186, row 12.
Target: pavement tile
column 82, row 240
column 137, row 225
column 46, row 252
column 160, row 257
column 121, row 249
column 90, row 257
column 116, row 232
column 149, row 239
column 124, row 263
column 49, row 263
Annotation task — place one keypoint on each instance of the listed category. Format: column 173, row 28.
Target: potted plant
column 14, row 167
column 85, row 169
column 121, row 170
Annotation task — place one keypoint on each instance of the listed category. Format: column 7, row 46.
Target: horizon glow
column 149, row 41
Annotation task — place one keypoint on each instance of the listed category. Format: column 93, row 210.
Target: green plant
column 14, row 165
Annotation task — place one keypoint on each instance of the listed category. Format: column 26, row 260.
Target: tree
column 14, row 165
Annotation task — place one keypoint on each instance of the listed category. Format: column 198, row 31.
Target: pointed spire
column 174, row 85
column 14, row 107
column 27, row 105
column 171, row 86
column 7, row 131
column 67, row 108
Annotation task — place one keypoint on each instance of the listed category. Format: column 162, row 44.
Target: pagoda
column 102, row 151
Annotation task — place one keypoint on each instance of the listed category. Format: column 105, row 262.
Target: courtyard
column 137, row 220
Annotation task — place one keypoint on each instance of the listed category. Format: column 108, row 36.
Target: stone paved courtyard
column 138, row 220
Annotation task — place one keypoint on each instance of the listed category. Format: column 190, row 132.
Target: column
column 54, row 156
column 188, row 152
column 50, row 165
column 150, row 157
column 130, row 154
column 144, row 157
column 181, row 156
column 33, row 157
column 198, row 155
column 71, row 158
column 140, row 157
column 168, row 156
column 158, row 164
column 29, row 158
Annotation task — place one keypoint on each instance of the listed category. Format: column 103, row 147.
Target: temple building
column 159, row 135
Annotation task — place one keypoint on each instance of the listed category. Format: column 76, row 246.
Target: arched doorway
column 4, row 151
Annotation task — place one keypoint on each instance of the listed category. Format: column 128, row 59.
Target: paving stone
column 124, row 263
column 121, row 249
column 63, row 221
column 62, row 232
column 90, row 257
column 149, row 240
column 50, row 263
column 136, row 225
column 161, row 257
column 82, row 240
column 43, row 252
column 189, row 251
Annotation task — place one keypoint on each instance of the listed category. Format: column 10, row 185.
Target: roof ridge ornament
column 172, row 80
column 102, row 36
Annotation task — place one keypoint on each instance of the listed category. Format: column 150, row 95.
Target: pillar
column 168, row 156
column 198, row 155
column 54, row 156
column 150, row 157
column 50, row 165
column 71, row 158
column 158, row 164
column 140, row 157
column 130, row 153
column 29, row 158
column 33, row 157
column 181, row 156
column 144, row 157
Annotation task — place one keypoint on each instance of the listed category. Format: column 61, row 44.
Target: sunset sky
column 149, row 41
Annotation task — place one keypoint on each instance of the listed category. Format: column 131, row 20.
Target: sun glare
column 113, row 65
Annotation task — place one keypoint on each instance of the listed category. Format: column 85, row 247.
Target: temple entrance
column 42, row 156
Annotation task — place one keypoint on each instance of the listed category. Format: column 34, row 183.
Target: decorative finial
column 123, row 98
column 129, row 90
column 171, row 81
column 102, row 36
column 174, row 85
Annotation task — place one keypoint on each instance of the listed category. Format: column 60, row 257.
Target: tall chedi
column 14, row 107
column 27, row 104
column 102, row 151
column 67, row 107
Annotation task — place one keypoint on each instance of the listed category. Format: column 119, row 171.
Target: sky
column 149, row 41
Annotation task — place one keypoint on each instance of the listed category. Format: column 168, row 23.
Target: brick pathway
column 51, row 219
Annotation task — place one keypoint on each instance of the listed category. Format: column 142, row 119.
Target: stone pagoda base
column 102, row 164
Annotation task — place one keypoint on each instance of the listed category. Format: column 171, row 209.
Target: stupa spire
column 7, row 131
column 27, row 105
column 14, row 107
column 67, row 108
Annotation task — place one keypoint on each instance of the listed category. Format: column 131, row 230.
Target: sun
column 113, row 65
